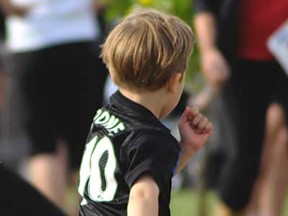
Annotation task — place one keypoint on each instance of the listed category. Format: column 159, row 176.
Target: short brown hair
column 146, row 48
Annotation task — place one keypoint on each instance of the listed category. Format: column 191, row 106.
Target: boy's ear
column 173, row 82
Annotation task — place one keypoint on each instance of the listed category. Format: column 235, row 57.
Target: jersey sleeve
column 152, row 154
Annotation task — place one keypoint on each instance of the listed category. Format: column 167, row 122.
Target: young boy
column 130, row 157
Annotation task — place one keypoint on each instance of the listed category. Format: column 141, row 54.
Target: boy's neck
column 151, row 100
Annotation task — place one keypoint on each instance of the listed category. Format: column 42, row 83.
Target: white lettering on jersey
column 112, row 124
column 99, row 162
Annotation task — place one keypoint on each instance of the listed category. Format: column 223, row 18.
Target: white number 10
column 99, row 175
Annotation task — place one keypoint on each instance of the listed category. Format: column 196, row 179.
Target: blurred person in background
column 232, row 38
column 2, row 73
column 18, row 197
column 54, row 61
column 2, row 87
column 2, row 78
column 14, row 189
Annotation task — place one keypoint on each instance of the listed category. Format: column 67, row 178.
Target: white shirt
column 50, row 22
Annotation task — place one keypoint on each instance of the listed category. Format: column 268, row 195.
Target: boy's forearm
column 183, row 160
column 186, row 154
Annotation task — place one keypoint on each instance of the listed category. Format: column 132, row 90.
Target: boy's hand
column 194, row 131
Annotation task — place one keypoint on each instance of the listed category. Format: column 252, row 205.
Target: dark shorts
column 58, row 90
column 281, row 91
column 252, row 87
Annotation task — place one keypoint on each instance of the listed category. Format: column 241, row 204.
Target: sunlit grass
column 188, row 202
column 191, row 202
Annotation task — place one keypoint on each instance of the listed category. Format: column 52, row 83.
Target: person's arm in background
column 2, row 85
column 97, row 5
column 11, row 9
column 143, row 197
column 214, row 66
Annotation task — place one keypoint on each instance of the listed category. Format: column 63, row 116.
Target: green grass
column 189, row 203
column 186, row 202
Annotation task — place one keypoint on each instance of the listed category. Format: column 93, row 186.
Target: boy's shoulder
column 151, row 139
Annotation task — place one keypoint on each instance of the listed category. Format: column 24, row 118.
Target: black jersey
column 125, row 141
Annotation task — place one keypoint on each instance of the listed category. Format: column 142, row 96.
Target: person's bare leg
column 253, row 206
column 222, row 210
column 273, row 116
column 275, row 182
column 269, row 189
column 49, row 174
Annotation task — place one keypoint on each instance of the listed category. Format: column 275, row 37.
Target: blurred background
column 194, row 190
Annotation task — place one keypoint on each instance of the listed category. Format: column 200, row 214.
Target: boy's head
column 146, row 48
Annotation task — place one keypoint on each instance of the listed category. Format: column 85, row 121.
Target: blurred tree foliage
column 180, row 8
column 118, row 8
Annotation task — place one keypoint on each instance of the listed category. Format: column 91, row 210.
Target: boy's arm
column 143, row 197
column 194, row 131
